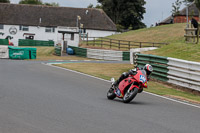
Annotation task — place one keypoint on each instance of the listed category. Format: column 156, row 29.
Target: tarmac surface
column 37, row 98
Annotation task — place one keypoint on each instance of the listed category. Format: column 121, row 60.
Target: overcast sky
column 156, row 10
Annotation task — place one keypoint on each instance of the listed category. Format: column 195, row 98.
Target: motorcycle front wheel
column 130, row 95
column 110, row 94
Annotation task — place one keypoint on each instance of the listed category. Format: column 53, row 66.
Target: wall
column 99, row 33
column 183, row 19
column 39, row 32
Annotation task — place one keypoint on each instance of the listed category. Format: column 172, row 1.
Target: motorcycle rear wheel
column 130, row 95
column 110, row 94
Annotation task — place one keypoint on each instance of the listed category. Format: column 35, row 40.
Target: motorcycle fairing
column 123, row 84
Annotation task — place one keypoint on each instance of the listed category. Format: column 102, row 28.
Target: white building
column 52, row 23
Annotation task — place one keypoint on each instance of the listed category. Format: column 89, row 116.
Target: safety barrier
column 175, row 71
column 27, row 42
column 4, row 42
column 17, row 52
column 57, row 50
column 79, row 51
column 4, row 52
column 101, row 54
column 159, row 64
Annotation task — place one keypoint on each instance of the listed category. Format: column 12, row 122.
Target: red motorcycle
column 129, row 87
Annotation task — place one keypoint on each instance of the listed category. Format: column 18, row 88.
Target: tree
column 34, row 2
column 4, row 1
column 92, row 6
column 54, row 4
column 188, row 1
column 175, row 7
column 127, row 13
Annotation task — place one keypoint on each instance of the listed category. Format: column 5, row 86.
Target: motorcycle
column 129, row 87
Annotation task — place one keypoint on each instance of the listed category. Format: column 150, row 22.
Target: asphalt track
column 37, row 98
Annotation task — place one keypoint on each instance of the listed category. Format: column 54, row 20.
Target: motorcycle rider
column 148, row 68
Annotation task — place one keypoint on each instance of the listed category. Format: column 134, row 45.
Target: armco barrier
column 175, row 71
column 184, row 73
column 159, row 64
column 101, row 54
column 104, row 54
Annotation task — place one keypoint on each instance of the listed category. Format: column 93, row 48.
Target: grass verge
column 106, row 71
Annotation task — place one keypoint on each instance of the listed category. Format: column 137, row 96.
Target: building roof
column 192, row 11
column 40, row 15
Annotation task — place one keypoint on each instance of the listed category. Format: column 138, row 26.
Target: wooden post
column 110, row 43
column 129, row 45
column 140, row 45
column 198, row 34
column 101, row 42
column 119, row 44
column 94, row 41
column 87, row 39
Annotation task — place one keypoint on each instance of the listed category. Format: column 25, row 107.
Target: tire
column 129, row 96
column 110, row 94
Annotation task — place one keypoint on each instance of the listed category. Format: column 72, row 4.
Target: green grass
column 179, row 50
column 166, row 34
column 172, row 34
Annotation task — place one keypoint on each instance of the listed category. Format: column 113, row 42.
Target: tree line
column 35, row 2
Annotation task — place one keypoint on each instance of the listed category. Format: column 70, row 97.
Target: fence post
column 129, row 45
column 87, row 39
column 110, row 43
column 140, row 44
column 153, row 44
column 101, row 42
column 94, row 41
column 119, row 44
column 198, row 34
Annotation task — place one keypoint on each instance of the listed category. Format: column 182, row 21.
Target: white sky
column 156, row 10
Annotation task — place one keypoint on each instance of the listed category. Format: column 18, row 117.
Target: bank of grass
column 107, row 71
column 179, row 50
column 172, row 34
column 165, row 34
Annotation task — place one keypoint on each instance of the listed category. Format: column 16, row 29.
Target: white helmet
column 149, row 69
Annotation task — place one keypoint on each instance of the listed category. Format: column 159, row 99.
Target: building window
column 50, row 29
column 72, row 36
column 29, row 36
column 1, row 26
column 23, row 28
column 82, row 31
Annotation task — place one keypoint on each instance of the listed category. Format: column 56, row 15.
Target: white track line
column 109, row 81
